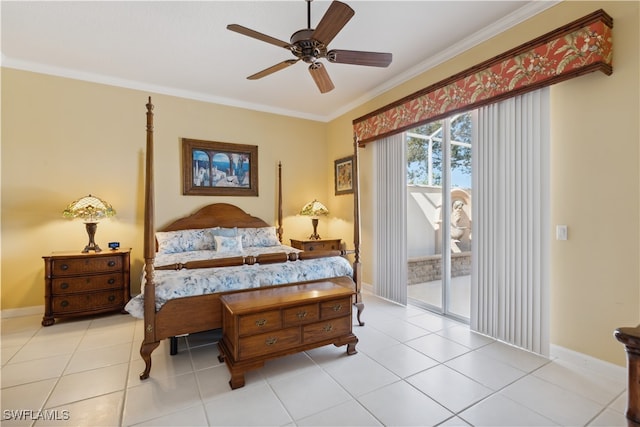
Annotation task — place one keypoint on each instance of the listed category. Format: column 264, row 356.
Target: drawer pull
column 261, row 322
column 328, row 327
column 271, row 340
column 64, row 285
column 64, row 267
column 64, row 303
column 302, row 314
column 337, row 307
column 112, row 298
column 111, row 281
column 111, row 263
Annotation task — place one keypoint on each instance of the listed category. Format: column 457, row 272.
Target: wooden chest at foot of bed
column 272, row 322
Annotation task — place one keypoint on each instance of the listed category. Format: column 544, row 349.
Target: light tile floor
column 413, row 368
column 430, row 293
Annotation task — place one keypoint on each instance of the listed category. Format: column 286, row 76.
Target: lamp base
column 91, row 247
column 315, row 235
column 91, row 231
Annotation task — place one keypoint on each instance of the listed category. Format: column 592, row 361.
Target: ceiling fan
column 310, row 45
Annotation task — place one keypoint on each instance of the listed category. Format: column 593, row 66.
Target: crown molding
column 515, row 18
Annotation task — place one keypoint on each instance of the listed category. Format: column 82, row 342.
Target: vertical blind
column 510, row 263
column 390, row 219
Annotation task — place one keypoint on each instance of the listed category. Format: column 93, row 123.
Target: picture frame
column 211, row 168
column 343, row 175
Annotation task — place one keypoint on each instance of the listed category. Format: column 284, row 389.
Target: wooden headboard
column 217, row 215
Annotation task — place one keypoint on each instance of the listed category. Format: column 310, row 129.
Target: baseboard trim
column 367, row 287
column 23, row 311
column 598, row 366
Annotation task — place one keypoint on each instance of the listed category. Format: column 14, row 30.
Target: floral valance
column 580, row 47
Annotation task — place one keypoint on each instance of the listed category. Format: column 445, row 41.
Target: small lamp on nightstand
column 314, row 209
column 91, row 209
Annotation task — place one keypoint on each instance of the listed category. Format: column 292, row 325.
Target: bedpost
column 280, row 201
column 150, row 341
column 357, row 268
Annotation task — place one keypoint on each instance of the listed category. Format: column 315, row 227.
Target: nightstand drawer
column 87, row 302
column 70, row 285
column 317, row 245
column 322, row 246
column 73, row 266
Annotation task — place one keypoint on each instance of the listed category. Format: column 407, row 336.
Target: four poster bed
column 218, row 250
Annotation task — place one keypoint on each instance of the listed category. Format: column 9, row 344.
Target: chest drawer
column 87, row 302
column 267, row 343
column 300, row 314
column 321, row 331
column 335, row 308
column 74, row 266
column 251, row 324
column 69, row 285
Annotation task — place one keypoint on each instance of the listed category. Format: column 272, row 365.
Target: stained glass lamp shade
column 314, row 209
column 91, row 210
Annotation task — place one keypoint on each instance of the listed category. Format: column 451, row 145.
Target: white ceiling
column 183, row 48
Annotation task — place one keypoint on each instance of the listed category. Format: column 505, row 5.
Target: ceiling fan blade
column 321, row 77
column 256, row 35
column 357, row 57
column 332, row 22
column 282, row 65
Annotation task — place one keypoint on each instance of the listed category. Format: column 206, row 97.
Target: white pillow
column 225, row 232
column 258, row 237
column 228, row 244
column 199, row 239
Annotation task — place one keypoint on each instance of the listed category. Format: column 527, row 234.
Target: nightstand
column 80, row 284
column 317, row 245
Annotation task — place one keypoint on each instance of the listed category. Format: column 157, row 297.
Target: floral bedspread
column 171, row 284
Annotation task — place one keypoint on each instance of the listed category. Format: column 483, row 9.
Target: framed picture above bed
column 212, row 168
column 343, row 171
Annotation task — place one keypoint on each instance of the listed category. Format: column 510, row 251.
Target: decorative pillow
column 262, row 236
column 170, row 242
column 228, row 244
column 225, row 232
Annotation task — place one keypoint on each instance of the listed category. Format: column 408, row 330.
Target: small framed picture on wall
column 343, row 170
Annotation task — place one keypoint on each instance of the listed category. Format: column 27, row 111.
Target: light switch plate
column 561, row 232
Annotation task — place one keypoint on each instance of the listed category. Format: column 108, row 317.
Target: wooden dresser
column 317, row 245
column 263, row 324
column 78, row 284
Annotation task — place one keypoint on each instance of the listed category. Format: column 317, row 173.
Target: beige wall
column 595, row 280
column 62, row 139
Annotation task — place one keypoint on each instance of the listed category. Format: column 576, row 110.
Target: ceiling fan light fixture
column 310, row 45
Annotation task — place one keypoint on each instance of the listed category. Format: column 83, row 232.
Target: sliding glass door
column 439, row 223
